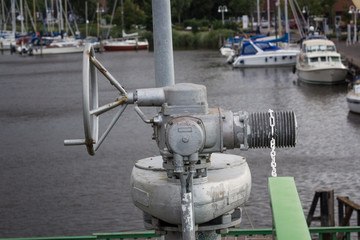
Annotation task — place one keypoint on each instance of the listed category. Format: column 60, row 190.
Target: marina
column 181, row 145
column 51, row 190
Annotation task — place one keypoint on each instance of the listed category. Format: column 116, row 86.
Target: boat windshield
column 320, row 48
column 248, row 50
column 265, row 46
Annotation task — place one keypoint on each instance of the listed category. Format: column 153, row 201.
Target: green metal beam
column 288, row 216
column 123, row 235
column 151, row 234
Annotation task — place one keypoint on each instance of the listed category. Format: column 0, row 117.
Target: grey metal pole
column 163, row 50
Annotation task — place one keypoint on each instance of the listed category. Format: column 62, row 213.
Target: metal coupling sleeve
column 285, row 132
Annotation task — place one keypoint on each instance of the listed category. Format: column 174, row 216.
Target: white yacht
column 353, row 96
column 319, row 62
column 264, row 54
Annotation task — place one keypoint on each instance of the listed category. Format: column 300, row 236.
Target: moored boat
column 353, row 96
column 50, row 45
column 125, row 45
column 264, row 54
column 320, row 63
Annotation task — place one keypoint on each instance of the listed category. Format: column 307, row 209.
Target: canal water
column 47, row 189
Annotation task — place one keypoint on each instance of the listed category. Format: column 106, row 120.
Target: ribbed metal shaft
column 260, row 130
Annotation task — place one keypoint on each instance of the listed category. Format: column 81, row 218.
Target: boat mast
column 98, row 19
column 3, row 15
column 22, row 16
column 111, row 20
column 34, row 12
column 66, row 19
column 13, row 17
column 61, row 17
column 286, row 21
column 258, row 13
column 122, row 19
column 86, row 18
column 279, row 18
column 268, row 15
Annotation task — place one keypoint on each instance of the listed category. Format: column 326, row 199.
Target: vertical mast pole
column 3, row 16
column 86, row 18
column 22, row 16
column 98, row 19
column 26, row 17
column 287, row 29
column 258, row 13
column 122, row 19
column 61, row 17
column 34, row 12
column 163, row 48
column 268, row 15
column 13, row 17
column 279, row 18
column 66, row 19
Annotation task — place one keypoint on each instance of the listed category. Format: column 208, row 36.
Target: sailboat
column 56, row 44
column 127, row 42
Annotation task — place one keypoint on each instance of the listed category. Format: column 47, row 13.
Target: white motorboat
column 264, row 54
column 353, row 96
column 230, row 46
column 320, row 63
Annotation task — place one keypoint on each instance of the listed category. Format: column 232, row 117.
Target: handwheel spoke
column 107, row 107
column 108, row 75
column 111, row 125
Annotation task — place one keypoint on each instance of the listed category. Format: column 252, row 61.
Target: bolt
column 185, row 139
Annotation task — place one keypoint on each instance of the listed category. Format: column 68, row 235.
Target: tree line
column 139, row 12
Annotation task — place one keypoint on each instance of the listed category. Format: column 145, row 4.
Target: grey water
column 47, row 189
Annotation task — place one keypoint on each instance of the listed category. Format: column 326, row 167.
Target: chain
column 272, row 143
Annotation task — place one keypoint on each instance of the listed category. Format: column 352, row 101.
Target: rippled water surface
column 47, row 189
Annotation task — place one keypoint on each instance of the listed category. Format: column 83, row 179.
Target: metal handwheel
column 91, row 109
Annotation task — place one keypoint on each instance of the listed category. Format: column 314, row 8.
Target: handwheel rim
column 90, row 99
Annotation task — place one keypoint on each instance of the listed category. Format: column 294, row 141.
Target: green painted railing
column 232, row 232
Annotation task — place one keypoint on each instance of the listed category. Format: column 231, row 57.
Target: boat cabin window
column 314, row 59
column 331, row 48
column 323, row 59
column 248, row 50
column 335, row 59
column 322, row 48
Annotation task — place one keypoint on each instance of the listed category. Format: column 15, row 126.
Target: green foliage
column 240, row 7
column 332, row 35
column 149, row 36
column 178, row 7
column 133, row 15
column 343, row 37
column 200, row 40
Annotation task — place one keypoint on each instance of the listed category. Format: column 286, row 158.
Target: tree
column 133, row 14
column 178, row 7
column 240, row 7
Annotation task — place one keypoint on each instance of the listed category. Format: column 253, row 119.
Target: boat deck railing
column 316, row 232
